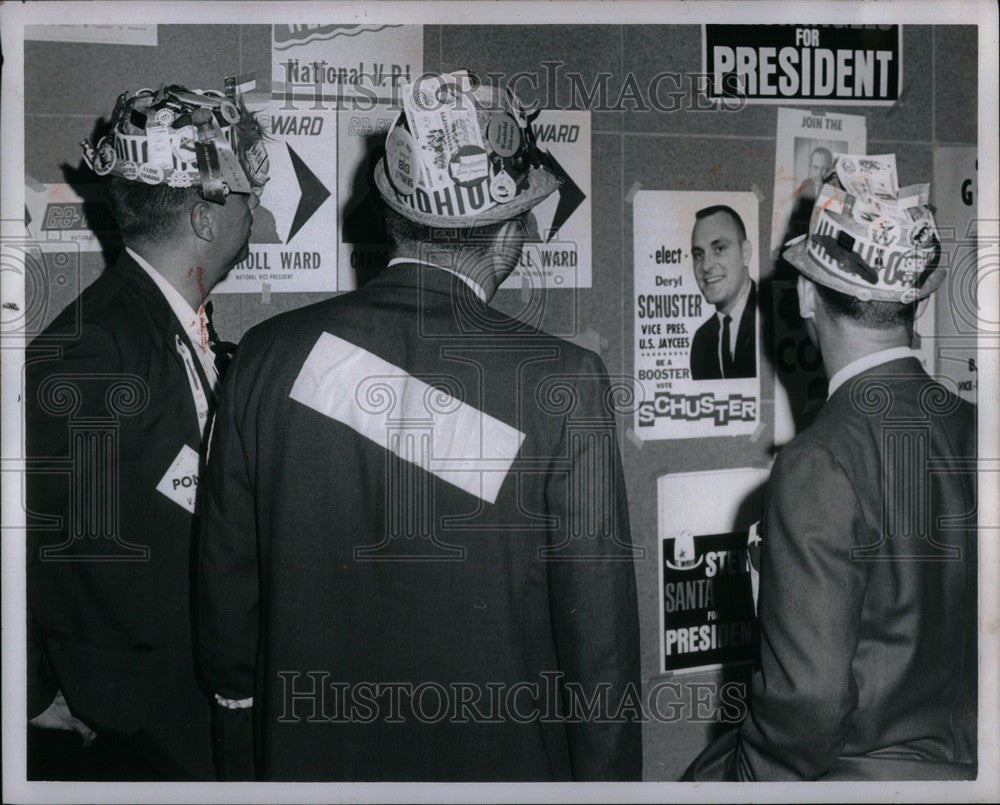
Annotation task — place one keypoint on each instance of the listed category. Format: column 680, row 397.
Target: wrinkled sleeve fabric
column 69, row 379
column 592, row 580
column 811, row 595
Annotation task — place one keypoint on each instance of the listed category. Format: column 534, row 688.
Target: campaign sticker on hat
column 183, row 145
column 179, row 179
column 883, row 231
column 229, row 111
column 151, row 174
column 164, row 117
column 257, row 164
column 130, row 170
column 104, row 158
column 158, row 139
column 504, row 135
column 401, row 160
column 502, row 187
column 469, row 165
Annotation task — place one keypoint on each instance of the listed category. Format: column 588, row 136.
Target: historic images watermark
column 316, row 697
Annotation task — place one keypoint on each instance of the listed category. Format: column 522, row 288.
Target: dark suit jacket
column 868, row 658
column 705, row 364
column 373, row 570
column 109, row 408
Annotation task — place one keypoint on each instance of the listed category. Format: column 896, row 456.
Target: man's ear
column 203, row 220
column 807, row 298
column 746, row 250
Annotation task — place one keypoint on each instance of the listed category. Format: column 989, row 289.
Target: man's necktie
column 727, row 352
column 222, row 351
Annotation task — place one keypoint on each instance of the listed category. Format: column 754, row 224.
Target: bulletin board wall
column 69, row 85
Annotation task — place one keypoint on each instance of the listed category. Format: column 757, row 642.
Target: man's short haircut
column 824, row 151
column 404, row 232
column 874, row 315
column 152, row 212
column 716, row 208
column 148, row 212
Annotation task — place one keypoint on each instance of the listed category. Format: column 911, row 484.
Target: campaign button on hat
column 151, row 174
column 401, row 160
column 504, row 135
column 164, row 117
column 469, row 165
column 229, row 111
column 130, row 170
column 104, row 158
column 179, row 179
column 502, row 187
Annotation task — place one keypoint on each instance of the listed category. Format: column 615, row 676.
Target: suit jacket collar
column 129, row 271
column 422, row 278
column 908, row 368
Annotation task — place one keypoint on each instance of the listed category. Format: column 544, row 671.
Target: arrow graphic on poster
column 570, row 197
column 313, row 193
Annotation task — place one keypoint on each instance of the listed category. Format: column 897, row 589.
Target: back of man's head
column 870, row 315
column 149, row 213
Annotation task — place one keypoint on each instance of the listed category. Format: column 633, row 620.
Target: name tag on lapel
column 180, row 483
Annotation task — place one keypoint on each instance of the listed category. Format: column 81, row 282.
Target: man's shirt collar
column 477, row 289
column 854, row 368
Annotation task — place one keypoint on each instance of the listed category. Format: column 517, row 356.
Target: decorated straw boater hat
column 868, row 237
column 462, row 153
column 183, row 138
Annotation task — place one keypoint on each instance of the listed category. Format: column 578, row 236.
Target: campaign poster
column 807, row 144
column 345, row 66
column 75, row 216
column 697, row 323
column 816, row 64
column 293, row 242
column 955, row 194
column 707, row 610
column 363, row 246
column 557, row 253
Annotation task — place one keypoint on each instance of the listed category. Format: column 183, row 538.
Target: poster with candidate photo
column 697, row 323
column 807, row 143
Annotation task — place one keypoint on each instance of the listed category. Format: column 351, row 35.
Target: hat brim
column 797, row 253
column 541, row 185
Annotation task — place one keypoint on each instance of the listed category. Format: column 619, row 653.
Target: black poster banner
column 815, row 64
column 708, row 610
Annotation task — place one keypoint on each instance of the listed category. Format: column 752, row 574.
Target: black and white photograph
column 485, row 402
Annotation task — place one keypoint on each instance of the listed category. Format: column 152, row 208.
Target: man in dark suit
column 868, row 650
column 725, row 346
column 119, row 390
column 416, row 553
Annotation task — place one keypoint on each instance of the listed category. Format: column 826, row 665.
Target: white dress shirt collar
column 193, row 324
column 854, row 368
column 477, row 289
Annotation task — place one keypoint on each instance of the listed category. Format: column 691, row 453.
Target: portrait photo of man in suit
column 120, row 389
column 725, row 345
column 402, row 497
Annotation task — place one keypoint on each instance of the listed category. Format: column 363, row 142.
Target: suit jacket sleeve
column 227, row 564
column 71, row 382
column 811, row 592
column 592, row 580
